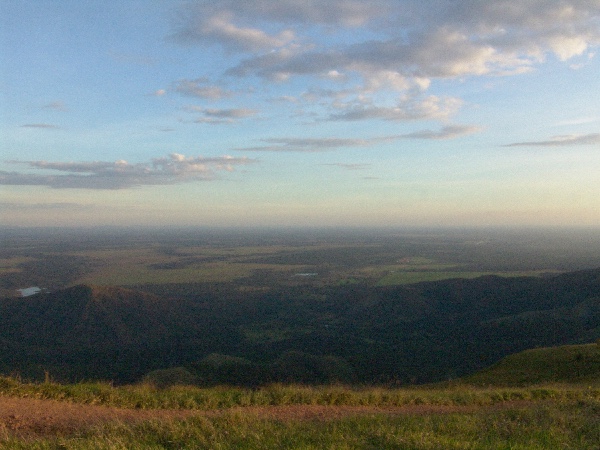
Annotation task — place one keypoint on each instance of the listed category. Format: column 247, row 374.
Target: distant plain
column 54, row 258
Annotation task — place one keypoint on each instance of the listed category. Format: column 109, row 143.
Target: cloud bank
column 173, row 169
column 370, row 47
column 311, row 144
column 60, row 206
column 447, row 132
column 294, row 144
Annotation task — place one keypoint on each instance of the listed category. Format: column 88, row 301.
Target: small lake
column 26, row 292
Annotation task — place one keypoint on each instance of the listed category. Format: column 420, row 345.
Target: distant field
column 189, row 265
column 410, row 270
column 408, row 277
column 11, row 265
column 53, row 260
column 206, row 264
column 211, row 272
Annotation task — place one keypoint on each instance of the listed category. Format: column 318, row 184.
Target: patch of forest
column 352, row 333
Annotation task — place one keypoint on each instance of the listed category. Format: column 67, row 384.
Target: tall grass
column 535, row 417
column 147, row 396
column 570, row 425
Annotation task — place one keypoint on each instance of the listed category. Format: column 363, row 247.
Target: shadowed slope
column 101, row 332
column 418, row 333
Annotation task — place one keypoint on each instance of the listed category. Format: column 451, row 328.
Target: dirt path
column 45, row 417
column 25, row 416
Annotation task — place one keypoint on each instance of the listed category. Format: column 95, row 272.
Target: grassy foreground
column 451, row 417
column 147, row 396
column 537, row 427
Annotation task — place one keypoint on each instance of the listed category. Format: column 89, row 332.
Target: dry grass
column 28, row 416
column 95, row 416
column 34, row 417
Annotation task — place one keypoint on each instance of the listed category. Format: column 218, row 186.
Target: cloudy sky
column 312, row 112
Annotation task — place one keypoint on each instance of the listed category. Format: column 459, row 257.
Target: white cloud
column 386, row 79
column 346, row 13
column 221, row 115
column 447, row 132
column 311, row 144
column 201, row 88
column 565, row 47
column 220, row 29
column 334, row 75
column 396, row 46
column 329, row 143
column 579, row 121
column 233, row 113
column 47, row 126
column 562, row 141
column 175, row 168
column 407, row 109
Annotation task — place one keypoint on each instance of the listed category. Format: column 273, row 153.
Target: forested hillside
column 350, row 333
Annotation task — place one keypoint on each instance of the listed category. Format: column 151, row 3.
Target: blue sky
column 312, row 113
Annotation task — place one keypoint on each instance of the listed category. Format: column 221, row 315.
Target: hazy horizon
column 320, row 114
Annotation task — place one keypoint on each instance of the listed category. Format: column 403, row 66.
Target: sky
column 223, row 113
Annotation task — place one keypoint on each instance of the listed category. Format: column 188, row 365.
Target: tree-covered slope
column 356, row 332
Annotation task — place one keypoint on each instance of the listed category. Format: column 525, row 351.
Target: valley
column 299, row 339
column 295, row 306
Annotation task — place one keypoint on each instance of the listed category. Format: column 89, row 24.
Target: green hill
column 565, row 364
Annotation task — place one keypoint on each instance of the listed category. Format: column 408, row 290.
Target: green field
column 12, row 265
column 256, row 260
column 143, row 266
column 136, row 274
column 409, row 277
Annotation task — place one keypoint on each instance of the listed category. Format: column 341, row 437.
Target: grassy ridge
column 568, row 363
